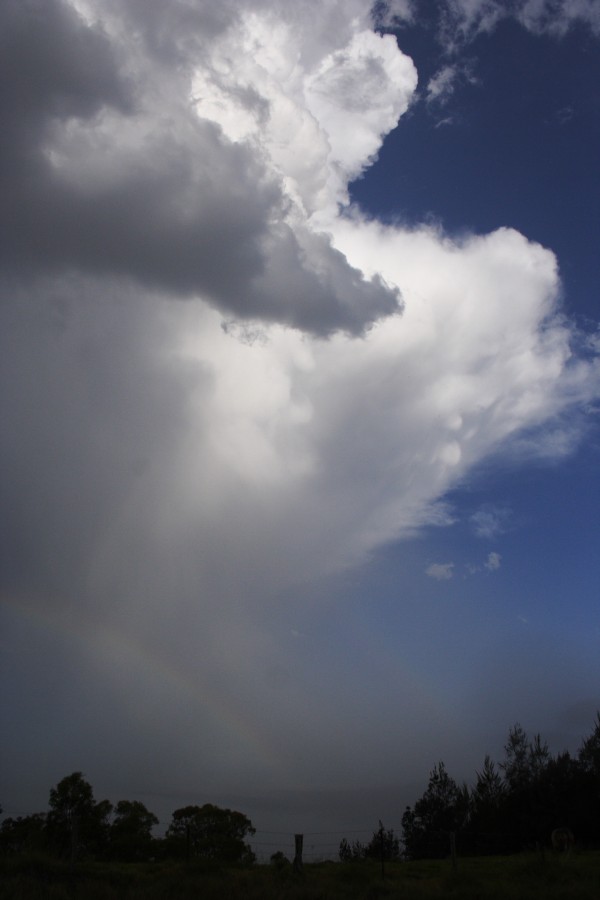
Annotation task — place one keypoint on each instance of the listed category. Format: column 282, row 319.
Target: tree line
column 77, row 826
column 514, row 804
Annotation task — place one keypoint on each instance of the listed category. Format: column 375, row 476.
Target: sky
column 299, row 352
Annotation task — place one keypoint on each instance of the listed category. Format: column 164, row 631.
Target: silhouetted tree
column 351, row 852
column 382, row 838
column 489, row 791
column 208, row 832
column 586, row 814
column 443, row 808
column 25, row 834
column 589, row 752
column 131, row 831
column 516, row 760
column 385, row 840
column 77, row 825
column 488, row 797
column 527, row 815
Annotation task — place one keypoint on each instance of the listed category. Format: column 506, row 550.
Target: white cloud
column 441, row 85
column 444, row 82
column 463, row 20
column 391, row 13
column 493, row 562
column 490, row 521
column 557, row 17
column 440, row 571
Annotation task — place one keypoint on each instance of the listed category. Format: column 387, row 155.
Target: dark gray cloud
column 53, row 65
column 108, row 170
column 91, row 408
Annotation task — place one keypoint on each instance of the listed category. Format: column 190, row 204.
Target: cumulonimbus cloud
column 196, row 166
column 173, row 467
column 225, row 176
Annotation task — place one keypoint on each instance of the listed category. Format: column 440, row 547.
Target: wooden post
column 299, row 840
column 74, row 839
column 453, row 849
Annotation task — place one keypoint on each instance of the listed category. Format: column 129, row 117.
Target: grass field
column 517, row 877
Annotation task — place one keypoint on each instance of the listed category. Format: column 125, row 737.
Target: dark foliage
column 443, row 809
column 25, row 834
column 384, row 844
column 209, row 833
column 131, row 832
column 513, row 806
column 351, row 852
column 77, row 826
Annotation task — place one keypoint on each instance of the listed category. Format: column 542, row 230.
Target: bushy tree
column 131, row 831
column 25, row 834
column 211, row 833
column 384, row 843
column 382, row 840
column 77, row 825
column 351, row 852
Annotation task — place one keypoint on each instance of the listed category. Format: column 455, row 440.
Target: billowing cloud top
column 190, row 151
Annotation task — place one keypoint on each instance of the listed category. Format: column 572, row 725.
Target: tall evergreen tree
column 589, row 752
column 443, row 808
column 488, row 799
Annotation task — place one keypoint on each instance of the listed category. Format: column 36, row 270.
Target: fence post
column 453, row 849
column 299, row 840
column 74, row 839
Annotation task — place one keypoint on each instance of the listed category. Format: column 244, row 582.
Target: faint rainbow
column 224, row 710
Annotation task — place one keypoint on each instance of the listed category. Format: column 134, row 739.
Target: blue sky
column 300, row 360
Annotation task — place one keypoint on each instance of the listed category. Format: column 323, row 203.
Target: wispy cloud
column 490, row 521
column 443, row 84
column 493, row 562
column 446, row 571
column 440, row 571
column 391, row 13
column 463, row 20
